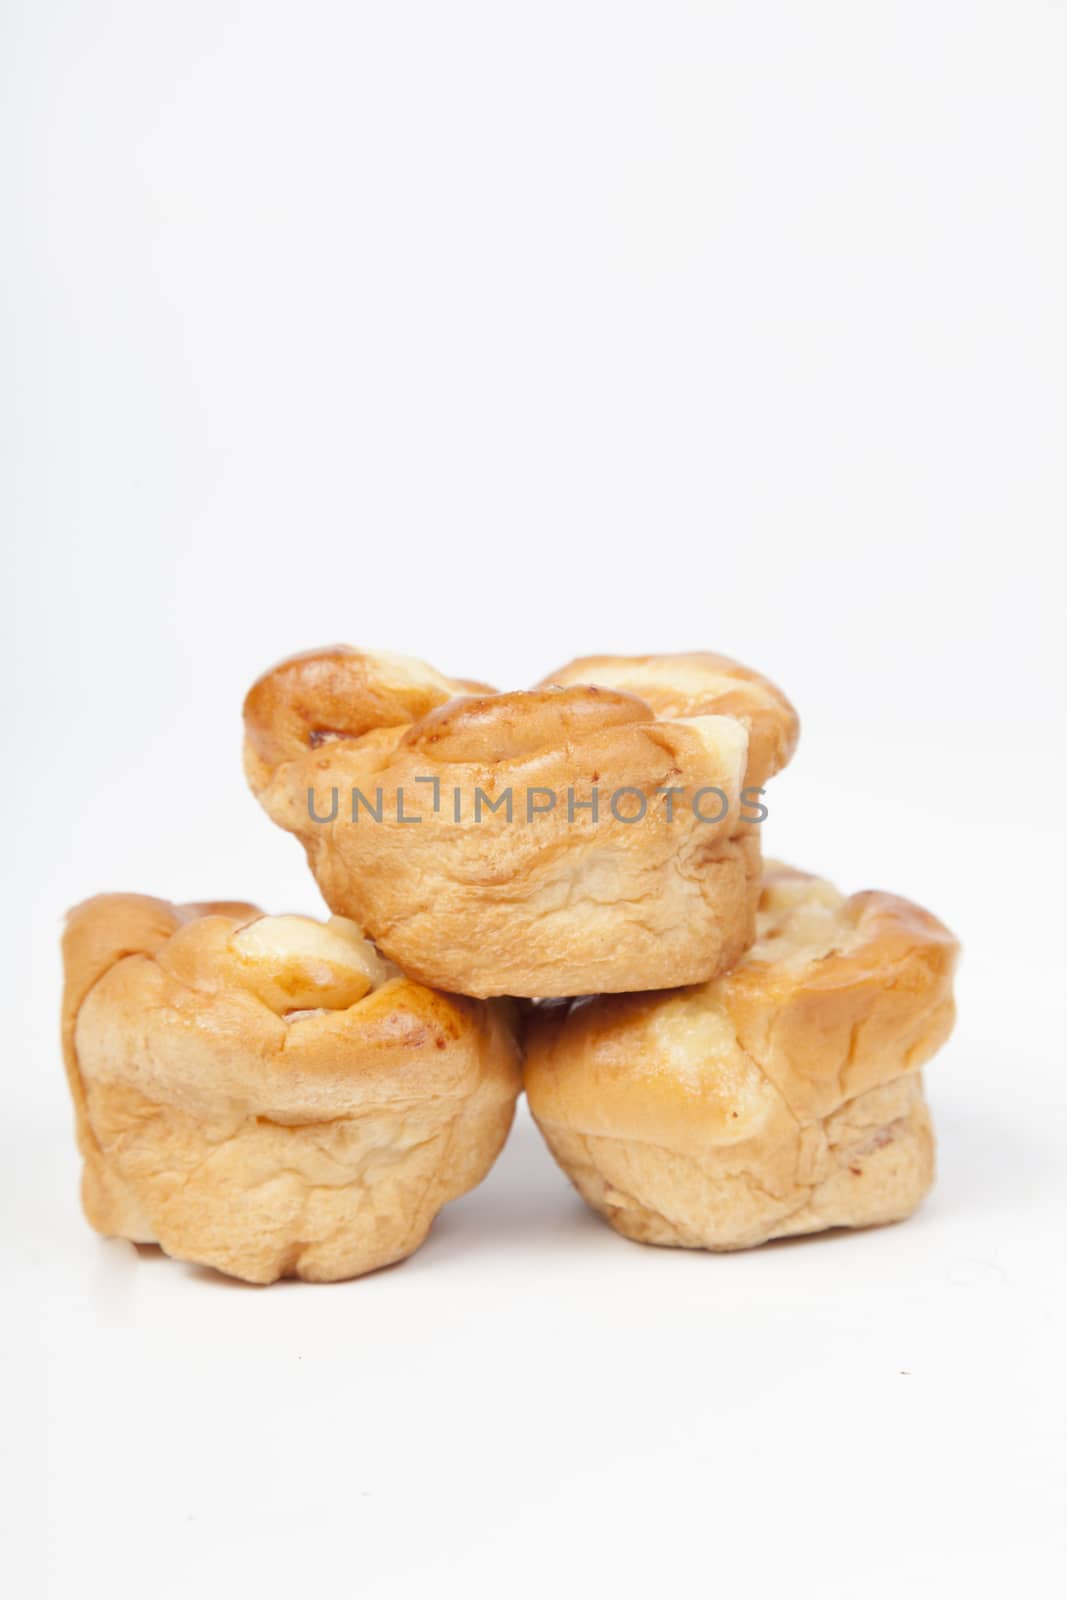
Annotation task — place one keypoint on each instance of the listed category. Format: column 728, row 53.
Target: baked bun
column 697, row 684
column 780, row 1099
column 266, row 1095
column 541, row 895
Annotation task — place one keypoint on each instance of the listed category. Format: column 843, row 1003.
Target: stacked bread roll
column 718, row 1051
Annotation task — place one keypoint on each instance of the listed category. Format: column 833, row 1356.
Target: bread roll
column 547, row 842
column 267, row 1095
column 782, row 1098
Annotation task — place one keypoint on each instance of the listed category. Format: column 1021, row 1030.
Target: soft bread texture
column 697, row 683
column 553, row 901
column 783, row 1098
column 266, row 1095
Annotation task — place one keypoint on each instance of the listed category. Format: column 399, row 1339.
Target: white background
column 496, row 334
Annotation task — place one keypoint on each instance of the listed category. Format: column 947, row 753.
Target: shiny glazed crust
column 697, row 683
column 782, row 1098
column 266, row 1096
column 558, row 904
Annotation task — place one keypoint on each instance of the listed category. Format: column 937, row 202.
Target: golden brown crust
column 481, row 729
column 783, row 1097
column 261, row 1095
column 550, row 899
column 338, row 692
column 698, row 683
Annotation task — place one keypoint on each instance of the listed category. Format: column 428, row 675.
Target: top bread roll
column 542, row 843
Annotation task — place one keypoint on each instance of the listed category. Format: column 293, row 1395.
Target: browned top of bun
column 338, row 692
column 698, row 683
column 283, row 1017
